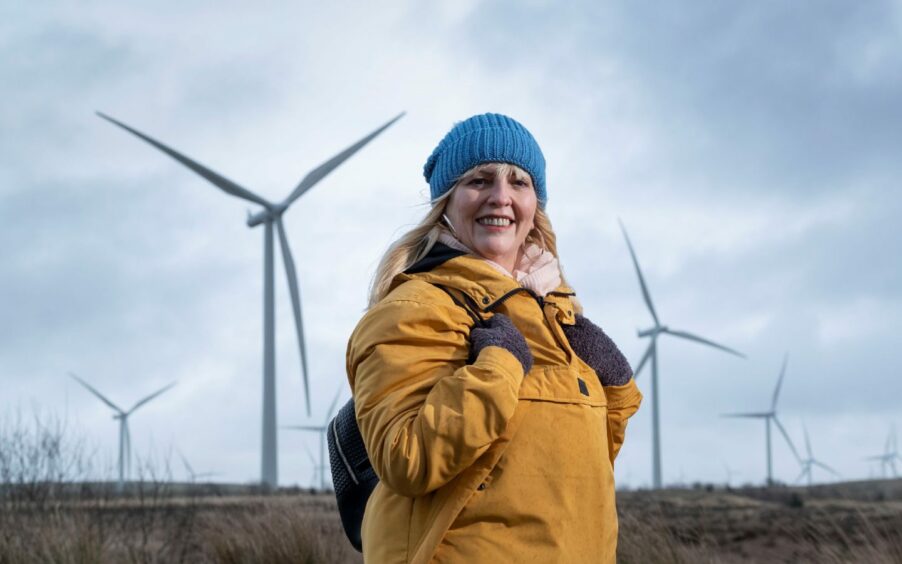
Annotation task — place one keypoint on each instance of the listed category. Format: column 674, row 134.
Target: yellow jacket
column 479, row 463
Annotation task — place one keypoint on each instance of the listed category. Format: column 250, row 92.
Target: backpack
column 352, row 473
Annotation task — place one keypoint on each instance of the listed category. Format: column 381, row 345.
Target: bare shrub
column 50, row 512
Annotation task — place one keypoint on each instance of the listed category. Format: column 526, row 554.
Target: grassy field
column 49, row 513
column 158, row 522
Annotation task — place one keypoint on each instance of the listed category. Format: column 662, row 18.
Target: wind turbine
column 192, row 475
column 807, row 463
column 269, row 215
column 890, row 454
column 769, row 416
column 652, row 353
column 321, row 429
column 125, row 441
column 316, row 466
column 729, row 473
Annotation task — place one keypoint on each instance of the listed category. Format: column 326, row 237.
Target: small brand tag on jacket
column 583, row 389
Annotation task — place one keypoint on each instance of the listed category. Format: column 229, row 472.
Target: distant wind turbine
column 271, row 214
column 125, row 441
column 810, row 461
column 321, row 429
column 890, row 455
column 769, row 416
column 192, row 475
column 652, row 353
column 316, row 466
column 729, row 473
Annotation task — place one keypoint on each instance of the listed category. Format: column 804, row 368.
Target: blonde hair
column 416, row 243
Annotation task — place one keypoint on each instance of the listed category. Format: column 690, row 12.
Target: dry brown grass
column 49, row 514
column 761, row 525
column 280, row 530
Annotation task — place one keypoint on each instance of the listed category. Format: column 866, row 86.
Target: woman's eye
column 477, row 182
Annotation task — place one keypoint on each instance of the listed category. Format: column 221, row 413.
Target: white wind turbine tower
column 890, row 454
column 769, row 416
column 125, row 441
column 652, row 353
column 807, row 463
column 321, row 429
column 271, row 214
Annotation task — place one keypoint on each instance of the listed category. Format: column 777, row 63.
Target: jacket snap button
column 485, row 299
column 481, row 486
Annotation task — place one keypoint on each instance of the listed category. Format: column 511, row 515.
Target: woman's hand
column 596, row 349
column 500, row 331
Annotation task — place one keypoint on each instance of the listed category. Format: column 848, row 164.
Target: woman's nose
column 500, row 194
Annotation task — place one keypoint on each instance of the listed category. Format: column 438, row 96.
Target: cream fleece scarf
column 538, row 270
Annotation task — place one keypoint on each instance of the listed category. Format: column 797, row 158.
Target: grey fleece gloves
column 500, row 331
column 597, row 350
column 588, row 341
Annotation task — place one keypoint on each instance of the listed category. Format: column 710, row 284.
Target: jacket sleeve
column 424, row 414
column 623, row 402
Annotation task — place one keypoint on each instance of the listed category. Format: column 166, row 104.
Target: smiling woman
column 490, row 408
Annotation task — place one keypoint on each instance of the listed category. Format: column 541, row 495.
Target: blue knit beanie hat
column 485, row 138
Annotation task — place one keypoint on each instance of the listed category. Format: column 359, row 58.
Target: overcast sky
column 751, row 149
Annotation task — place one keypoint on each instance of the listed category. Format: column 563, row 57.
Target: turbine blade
column 332, row 406
column 802, row 475
column 295, row 292
column 698, row 339
column 310, row 455
column 150, row 397
column 773, row 403
column 645, row 293
column 751, row 415
column 322, row 170
column 645, row 358
column 97, row 394
column 316, row 428
column 786, row 436
column 187, row 466
column 807, row 441
column 825, row 467
column 221, row 182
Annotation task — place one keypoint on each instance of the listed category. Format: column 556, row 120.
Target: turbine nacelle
column 653, row 332
column 269, row 214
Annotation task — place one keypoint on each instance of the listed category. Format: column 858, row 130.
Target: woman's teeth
column 496, row 221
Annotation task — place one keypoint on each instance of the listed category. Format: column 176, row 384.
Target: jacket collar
column 444, row 266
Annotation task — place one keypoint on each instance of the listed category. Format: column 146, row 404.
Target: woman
column 490, row 408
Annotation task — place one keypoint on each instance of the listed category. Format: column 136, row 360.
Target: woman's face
column 492, row 214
